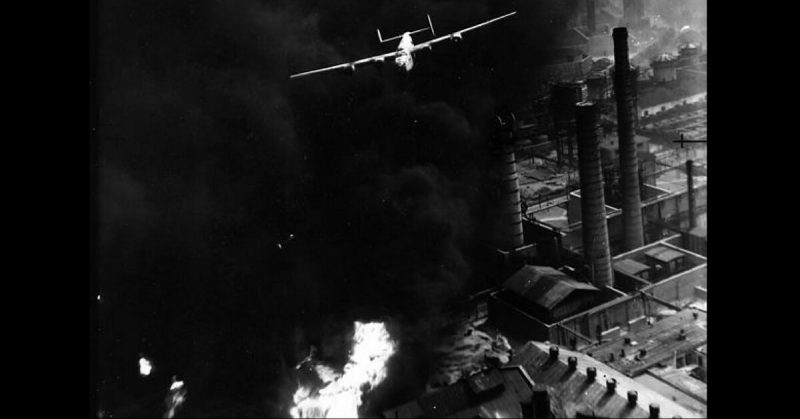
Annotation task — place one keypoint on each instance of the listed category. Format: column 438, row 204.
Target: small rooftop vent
column 655, row 410
column 573, row 363
column 591, row 373
column 612, row 385
column 633, row 396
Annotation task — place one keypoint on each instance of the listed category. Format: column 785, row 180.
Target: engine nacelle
column 349, row 69
column 379, row 62
column 429, row 47
column 456, row 37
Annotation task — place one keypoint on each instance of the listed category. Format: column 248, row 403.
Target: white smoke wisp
column 341, row 392
column 175, row 397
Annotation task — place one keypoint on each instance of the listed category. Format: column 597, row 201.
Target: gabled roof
column 500, row 392
column 544, row 285
column 630, row 267
column 577, row 393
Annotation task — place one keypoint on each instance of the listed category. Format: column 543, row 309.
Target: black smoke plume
column 244, row 216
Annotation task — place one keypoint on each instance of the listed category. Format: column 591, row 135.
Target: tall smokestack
column 511, row 231
column 590, row 17
column 512, row 211
column 628, row 164
column 593, row 205
column 690, row 192
column 563, row 97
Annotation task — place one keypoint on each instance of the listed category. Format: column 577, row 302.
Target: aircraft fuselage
column 404, row 59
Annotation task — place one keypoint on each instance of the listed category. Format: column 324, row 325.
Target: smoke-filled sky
column 209, row 157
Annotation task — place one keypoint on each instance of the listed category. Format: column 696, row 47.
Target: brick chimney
column 624, row 89
column 593, row 206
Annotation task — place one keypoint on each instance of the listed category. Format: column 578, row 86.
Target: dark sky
column 209, row 156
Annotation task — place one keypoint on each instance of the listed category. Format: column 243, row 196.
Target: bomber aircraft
column 404, row 55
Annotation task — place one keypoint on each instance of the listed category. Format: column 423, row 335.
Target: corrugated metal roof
column 664, row 254
column 544, row 285
column 630, row 267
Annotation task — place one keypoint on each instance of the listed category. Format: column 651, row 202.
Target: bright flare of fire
column 145, row 366
column 175, row 397
column 340, row 394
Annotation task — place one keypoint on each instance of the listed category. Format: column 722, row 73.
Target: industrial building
column 601, row 286
column 544, row 382
column 678, row 80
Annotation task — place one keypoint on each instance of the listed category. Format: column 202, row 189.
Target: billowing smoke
column 209, row 157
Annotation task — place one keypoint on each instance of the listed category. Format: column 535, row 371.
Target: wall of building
column 627, row 283
column 702, row 360
column 629, row 313
column 516, row 321
column 694, row 244
column 625, row 313
column 673, row 209
column 661, row 107
column 681, row 286
column 664, row 73
column 575, row 302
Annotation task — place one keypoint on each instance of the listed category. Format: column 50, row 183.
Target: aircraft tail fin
column 429, row 28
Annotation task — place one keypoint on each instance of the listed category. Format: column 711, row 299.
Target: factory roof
column 679, row 89
column 500, row 392
column 544, row 285
column 689, row 45
column 602, row 64
column 661, row 341
column 630, row 267
column 664, row 58
column 577, row 393
column 681, row 379
column 611, row 141
column 699, row 232
column 664, row 254
column 490, row 393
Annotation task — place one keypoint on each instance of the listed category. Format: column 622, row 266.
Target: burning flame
column 340, row 394
column 175, row 397
column 145, row 366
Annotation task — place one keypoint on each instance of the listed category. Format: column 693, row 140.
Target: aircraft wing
column 456, row 36
column 351, row 66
